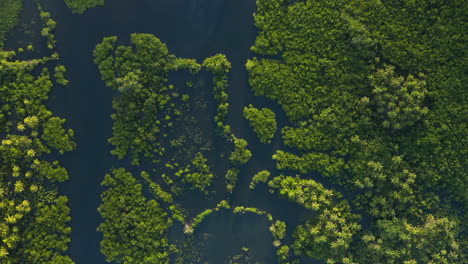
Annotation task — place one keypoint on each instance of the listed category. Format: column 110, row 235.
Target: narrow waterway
column 192, row 29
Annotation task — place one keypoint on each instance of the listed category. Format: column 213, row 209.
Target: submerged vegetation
column 197, row 174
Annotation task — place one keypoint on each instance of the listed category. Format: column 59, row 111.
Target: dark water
column 192, row 29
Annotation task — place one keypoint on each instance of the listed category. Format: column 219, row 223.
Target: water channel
column 191, row 29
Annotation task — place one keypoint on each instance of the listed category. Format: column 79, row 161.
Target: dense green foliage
column 375, row 93
column 59, row 75
column 394, row 241
column 49, row 28
column 197, row 174
column 220, row 66
column 80, row 6
column 309, row 193
column 152, row 123
column 399, row 102
column 56, row 136
column 278, row 229
column 238, row 157
column 134, row 227
column 156, row 189
column 48, row 237
column 197, row 220
column 263, row 122
column 329, row 236
column 34, row 218
column 241, row 154
column 145, row 104
column 9, row 12
column 261, row 176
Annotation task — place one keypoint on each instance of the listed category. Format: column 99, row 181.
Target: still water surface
column 191, row 29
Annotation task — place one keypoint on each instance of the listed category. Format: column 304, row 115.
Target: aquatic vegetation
column 190, row 250
column 80, row 6
column 283, row 254
column 48, row 29
column 220, row 66
column 223, row 204
column 241, row 154
column 178, row 215
column 261, row 176
column 59, row 75
column 197, row 174
column 278, row 229
column 245, row 256
column 56, row 136
column 231, row 179
column 199, row 218
column 156, row 189
column 146, row 109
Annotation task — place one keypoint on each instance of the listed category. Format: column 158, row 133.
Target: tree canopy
column 263, row 122
column 371, row 90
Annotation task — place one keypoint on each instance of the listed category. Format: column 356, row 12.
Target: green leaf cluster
column 398, row 241
column 261, row 176
column 220, row 66
column 59, row 75
column 9, row 13
column 48, row 30
column 134, row 227
column 399, row 101
column 329, row 236
column 80, row 6
column 309, row 193
column 197, row 173
column 263, row 122
column 240, row 155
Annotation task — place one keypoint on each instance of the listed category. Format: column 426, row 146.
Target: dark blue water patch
column 228, row 233
column 191, row 29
